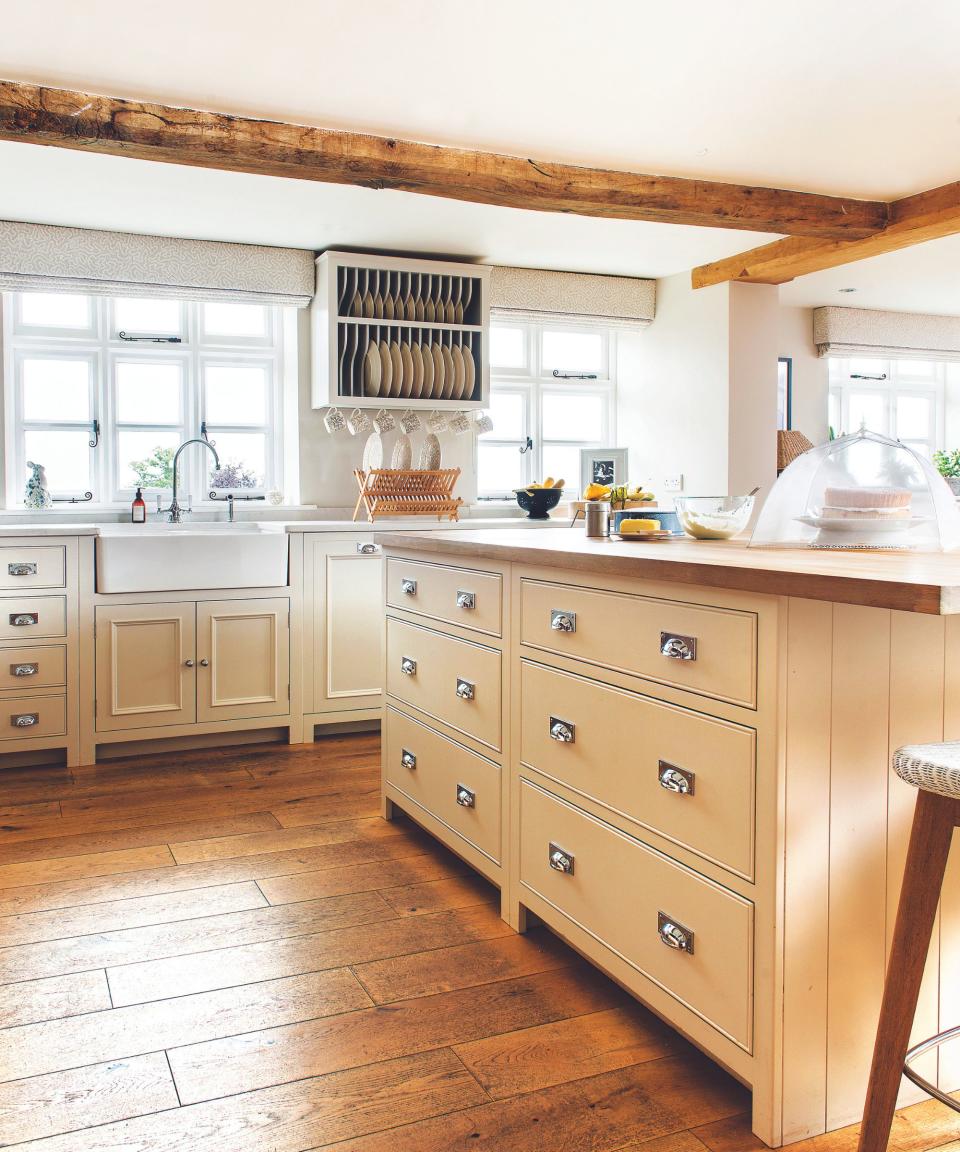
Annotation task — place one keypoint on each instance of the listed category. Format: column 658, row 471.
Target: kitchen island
column 677, row 756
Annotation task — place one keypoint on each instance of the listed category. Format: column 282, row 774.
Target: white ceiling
column 860, row 98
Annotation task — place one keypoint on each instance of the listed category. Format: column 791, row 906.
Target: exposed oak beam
column 92, row 123
column 913, row 220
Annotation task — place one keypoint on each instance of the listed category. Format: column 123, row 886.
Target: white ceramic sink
column 181, row 557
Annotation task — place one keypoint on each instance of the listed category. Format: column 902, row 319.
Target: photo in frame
column 602, row 466
column 784, row 393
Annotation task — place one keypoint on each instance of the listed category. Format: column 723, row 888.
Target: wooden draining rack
column 408, row 492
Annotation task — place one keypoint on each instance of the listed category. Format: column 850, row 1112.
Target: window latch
column 574, row 375
column 95, row 426
column 137, row 338
column 529, row 446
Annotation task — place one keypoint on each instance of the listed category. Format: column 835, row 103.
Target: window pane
column 243, row 459
column 53, row 310
column 148, row 393
column 573, row 351
column 572, row 417
column 248, row 320
column 56, row 390
column 506, row 412
column 235, row 395
column 871, row 367
column 562, row 463
column 922, row 446
column 65, row 455
column 869, row 410
column 925, row 368
column 507, row 347
column 147, row 316
column 500, row 467
column 146, row 458
column 913, row 417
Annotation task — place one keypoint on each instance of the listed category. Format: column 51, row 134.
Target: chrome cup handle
column 674, row 934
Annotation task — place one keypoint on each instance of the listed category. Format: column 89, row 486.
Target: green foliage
column 948, row 463
column 156, row 471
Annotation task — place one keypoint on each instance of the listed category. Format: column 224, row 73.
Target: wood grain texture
column 34, row 872
column 440, row 895
column 80, row 120
column 400, row 873
column 30, row 1001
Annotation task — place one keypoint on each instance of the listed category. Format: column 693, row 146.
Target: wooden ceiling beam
column 91, row 123
column 913, row 220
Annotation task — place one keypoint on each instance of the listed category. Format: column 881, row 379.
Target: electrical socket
column 673, row 483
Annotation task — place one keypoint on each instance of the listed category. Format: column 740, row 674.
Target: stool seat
column 930, row 767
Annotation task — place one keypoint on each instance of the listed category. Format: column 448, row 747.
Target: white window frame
column 902, row 379
column 533, row 382
column 101, row 345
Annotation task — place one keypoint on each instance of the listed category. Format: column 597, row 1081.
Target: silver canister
column 597, row 517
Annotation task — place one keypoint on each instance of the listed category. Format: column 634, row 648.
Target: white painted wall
column 752, row 415
column 810, row 373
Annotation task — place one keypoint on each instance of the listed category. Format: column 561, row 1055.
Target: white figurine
column 38, row 494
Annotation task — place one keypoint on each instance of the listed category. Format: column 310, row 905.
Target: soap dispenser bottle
column 138, row 510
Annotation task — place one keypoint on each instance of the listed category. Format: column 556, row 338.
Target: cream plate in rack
column 428, row 372
column 372, row 370
column 386, row 369
column 430, row 454
column 406, row 378
column 471, row 373
column 402, row 452
column 416, row 357
column 396, row 385
column 459, row 372
column 373, row 452
column 439, row 381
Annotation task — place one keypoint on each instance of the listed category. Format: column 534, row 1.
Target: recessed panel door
column 243, row 659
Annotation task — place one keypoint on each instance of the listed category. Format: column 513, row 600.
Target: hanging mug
column 384, row 421
column 483, row 423
column 333, row 421
column 459, row 423
column 410, row 422
column 358, row 423
column 437, row 422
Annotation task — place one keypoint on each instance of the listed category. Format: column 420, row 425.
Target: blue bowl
column 537, row 502
column 669, row 521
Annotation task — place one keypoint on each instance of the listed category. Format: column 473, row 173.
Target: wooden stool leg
column 930, row 837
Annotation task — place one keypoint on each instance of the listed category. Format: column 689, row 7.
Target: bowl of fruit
column 537, row 499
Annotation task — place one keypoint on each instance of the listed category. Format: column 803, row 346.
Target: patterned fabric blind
column 539, row 294
column 886, row 335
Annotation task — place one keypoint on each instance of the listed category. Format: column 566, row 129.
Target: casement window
column 903, row 399
column 552, row 392
column 104, row 412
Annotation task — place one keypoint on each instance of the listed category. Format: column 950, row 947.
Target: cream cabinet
column 185, row 663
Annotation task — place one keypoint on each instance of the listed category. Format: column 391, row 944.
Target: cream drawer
column 711, row 651
column 454, row 595
column 626, row 895
column 459, row 788
column 33, row 566
column 631, row 753
column 453, row 680
column 28, row 617
column 27, row 717
column 40, row 667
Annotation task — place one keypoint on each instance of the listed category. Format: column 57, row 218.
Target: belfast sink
column 181, row 557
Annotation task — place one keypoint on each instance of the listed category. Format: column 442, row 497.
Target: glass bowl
column 713, row 517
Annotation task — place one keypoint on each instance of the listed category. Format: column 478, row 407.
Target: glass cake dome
column 860, row 492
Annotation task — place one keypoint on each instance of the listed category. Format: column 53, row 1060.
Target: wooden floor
column 231, row 951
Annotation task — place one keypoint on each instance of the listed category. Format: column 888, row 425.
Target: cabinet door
column 146, row 676
column 345, row 639
column 243, row 659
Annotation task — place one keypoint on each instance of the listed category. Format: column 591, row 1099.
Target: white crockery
column 437, row 422
column 384, row 421
column 358, row 423
column 334, row 421
column 410, row 422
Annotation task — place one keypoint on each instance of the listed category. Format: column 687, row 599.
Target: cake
column 866, row 504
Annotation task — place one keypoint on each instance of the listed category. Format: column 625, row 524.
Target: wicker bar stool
column 934, row 769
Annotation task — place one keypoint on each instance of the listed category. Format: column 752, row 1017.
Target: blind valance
column 540, row 294
column 886, row 335
column 49, row 258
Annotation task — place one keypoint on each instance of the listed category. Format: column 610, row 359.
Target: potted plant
column 948, row 465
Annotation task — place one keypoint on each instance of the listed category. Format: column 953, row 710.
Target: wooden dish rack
column 408, row 492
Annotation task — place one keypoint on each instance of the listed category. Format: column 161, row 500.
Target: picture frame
column 602, row 466
column 784, row 393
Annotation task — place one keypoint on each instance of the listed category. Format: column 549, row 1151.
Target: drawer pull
column 368, row 549
column 561, row 861
column 24, row 619
column 675, row 779
column 188, row 663
column 407, row 759
column 563, row 621
column 408, row 587
column 25, row 719
column 22, row 569
column 466, row 798
column 24, row 669
column 465, row 689
column 408, row 667
column 466, row 600
column 562, row 731
column 676, row 647
column 674, row 935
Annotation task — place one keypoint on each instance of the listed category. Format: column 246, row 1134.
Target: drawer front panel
column 33, row 566
column 617, row 889
column 26, row 618
column 711, row 651
column 454, row 595
column 27, row 717
column 685, row 775
column 442, row 674
column 456, row 786
column 35, row 667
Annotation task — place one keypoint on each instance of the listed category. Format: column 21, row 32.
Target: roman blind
column 885, row 335
column 48, row 258
column 539, row 294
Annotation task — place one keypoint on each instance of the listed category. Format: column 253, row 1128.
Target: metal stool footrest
column 918, row 1050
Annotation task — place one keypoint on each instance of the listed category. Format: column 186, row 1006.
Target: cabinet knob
column 408, row 667
column 466, row 797
column 675, row 779
column 24, row 619
column 24, row 669
column 563, row 621
column 204, row 663
column 560, row 861
column 466, row 600
column 465, row 689
column 676, row 647
column 408, row 587
column 674, row 935
column 188, row 663
column 407, row 759
column 25, row 719
column 368, row 549
column 562, row 731
column 21, row 569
